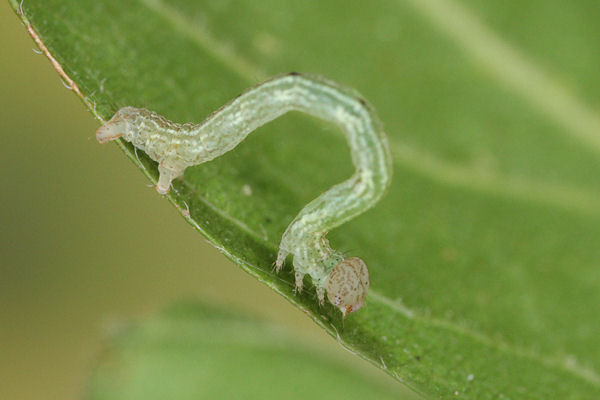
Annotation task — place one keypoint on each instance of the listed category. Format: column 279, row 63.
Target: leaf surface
column 484, row 255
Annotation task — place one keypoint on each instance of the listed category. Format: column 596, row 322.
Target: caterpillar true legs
column 177, row 146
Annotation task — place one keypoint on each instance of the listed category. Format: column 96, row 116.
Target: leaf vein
column 508, row 65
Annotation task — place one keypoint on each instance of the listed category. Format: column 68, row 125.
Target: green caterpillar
column 177, row 146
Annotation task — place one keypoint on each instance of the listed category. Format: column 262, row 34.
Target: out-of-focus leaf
column 199, row 352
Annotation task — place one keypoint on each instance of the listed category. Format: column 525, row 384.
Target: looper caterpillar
column 177, row 146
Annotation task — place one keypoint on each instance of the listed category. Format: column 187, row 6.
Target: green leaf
column 484, row 256
column 199, row 352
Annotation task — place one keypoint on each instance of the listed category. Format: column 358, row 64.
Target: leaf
column 193, row 351
column 484, row 256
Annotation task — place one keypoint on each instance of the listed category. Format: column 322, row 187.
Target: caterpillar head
column 348, row 285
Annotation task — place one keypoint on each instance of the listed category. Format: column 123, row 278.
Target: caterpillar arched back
column 177, row 146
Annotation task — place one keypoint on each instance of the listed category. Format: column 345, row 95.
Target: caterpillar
column 177, row 146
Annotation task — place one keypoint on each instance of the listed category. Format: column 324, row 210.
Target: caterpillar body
column 177, row 146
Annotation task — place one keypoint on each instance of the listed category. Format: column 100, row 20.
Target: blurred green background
column 68, row 205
